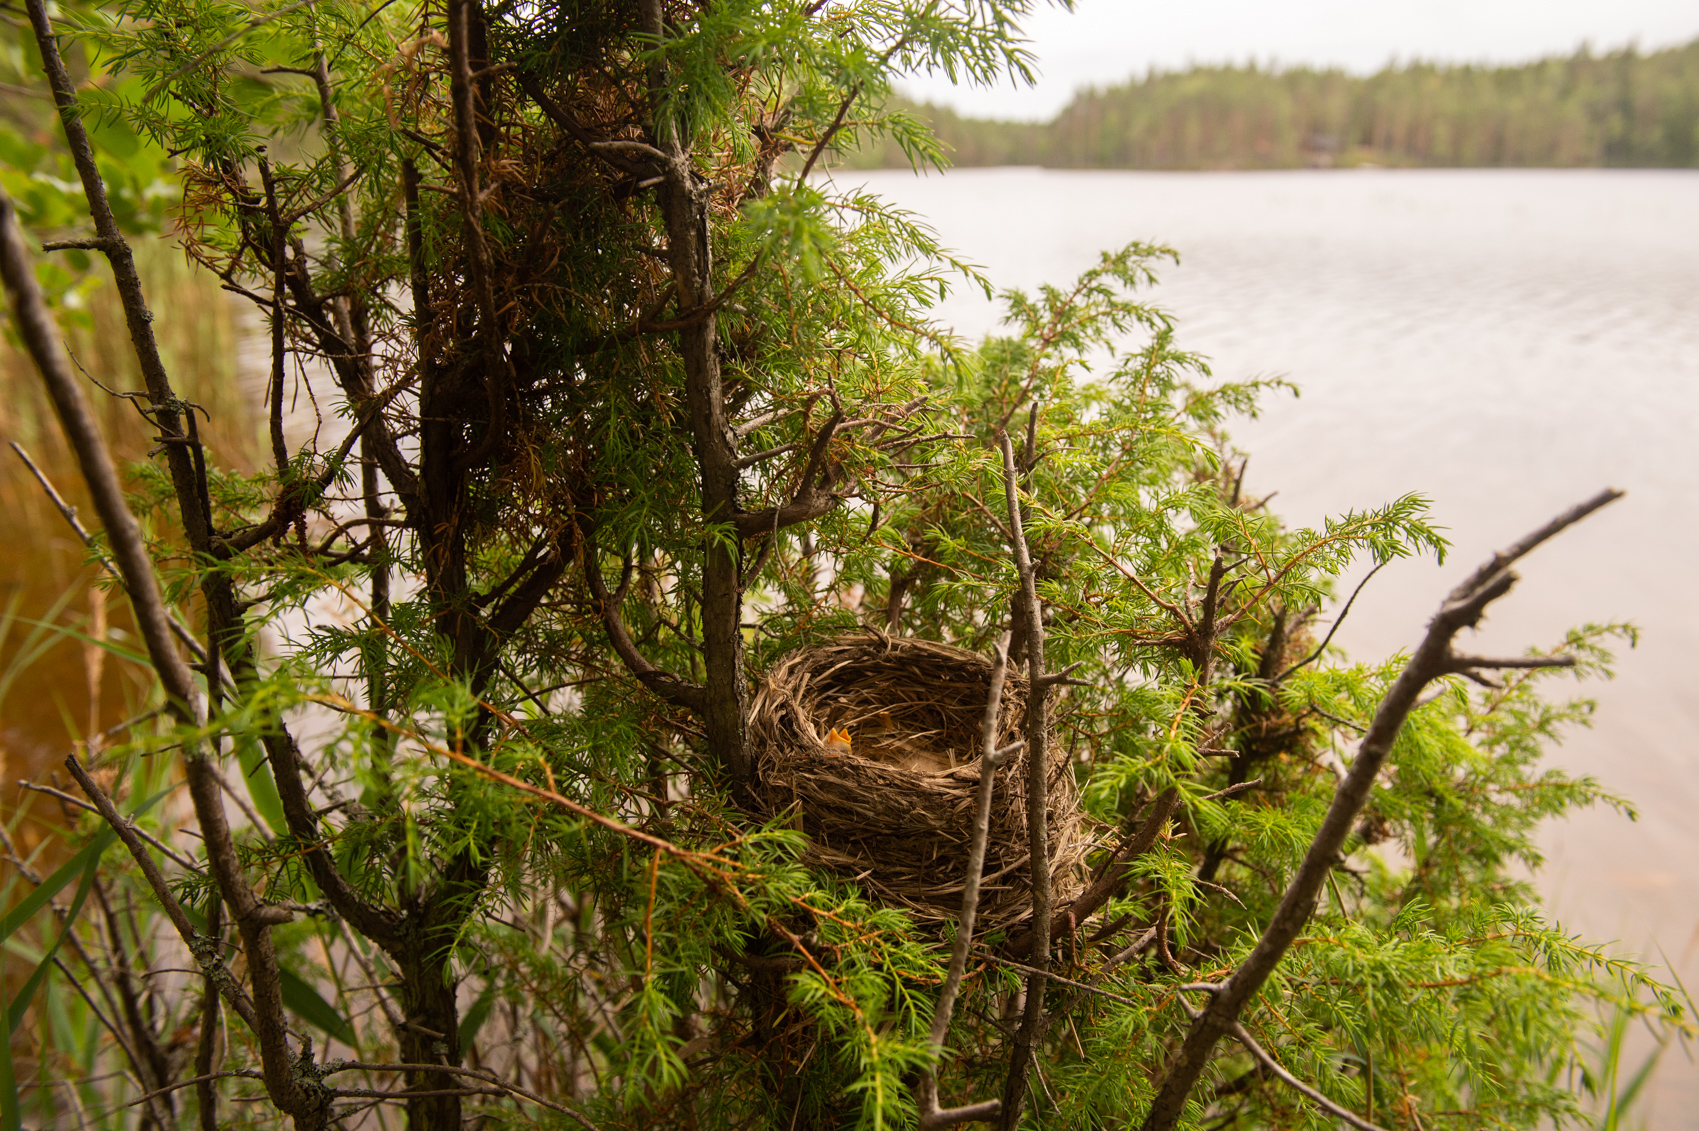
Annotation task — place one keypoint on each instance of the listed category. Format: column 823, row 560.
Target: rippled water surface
column 1506, row 343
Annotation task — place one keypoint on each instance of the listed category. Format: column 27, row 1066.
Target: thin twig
column 176, row 857
column 186, row 637
column 127, row 833
column 1027, row 609
column 1463, row 608
column 1297, row 1085
column 482, row 1075
column 931, row 1115
column 1337, row 621
column 245, row 1073
column 1061, row 981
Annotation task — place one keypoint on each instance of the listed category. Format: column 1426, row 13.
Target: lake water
column 1505, row 342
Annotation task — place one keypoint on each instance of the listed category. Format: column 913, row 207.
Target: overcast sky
column 1105, row 41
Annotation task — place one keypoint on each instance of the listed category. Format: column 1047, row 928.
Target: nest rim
column 894, row 811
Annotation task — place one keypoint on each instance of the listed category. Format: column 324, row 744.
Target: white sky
column 1106, row 41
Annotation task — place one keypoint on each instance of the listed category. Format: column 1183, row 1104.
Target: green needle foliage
column 606, row 398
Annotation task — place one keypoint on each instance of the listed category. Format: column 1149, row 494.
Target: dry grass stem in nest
column 893, row 811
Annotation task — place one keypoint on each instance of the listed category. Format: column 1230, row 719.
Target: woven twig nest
column 895, row 811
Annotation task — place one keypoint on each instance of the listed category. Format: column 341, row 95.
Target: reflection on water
column 1505, row 342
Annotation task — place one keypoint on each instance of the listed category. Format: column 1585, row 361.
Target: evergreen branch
column 710, row 867
column 1273, row 1066
column 1462, row 608
column 831, row 132
column 666, row 685
column 812, row 498
column 252, row 25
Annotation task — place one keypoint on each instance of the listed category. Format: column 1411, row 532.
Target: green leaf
column 87, row 862
column 304, row 1001
column 262, row 787
column 63, row 875
column 20, row 1003
column 53, row 884
column 10, row 1117
column 475, row 1016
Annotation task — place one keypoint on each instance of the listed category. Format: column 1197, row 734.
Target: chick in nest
column 838, row 742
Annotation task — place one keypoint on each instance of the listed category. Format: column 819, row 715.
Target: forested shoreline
column 1622, row 109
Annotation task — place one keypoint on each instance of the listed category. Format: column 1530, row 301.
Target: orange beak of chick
column 838, row 742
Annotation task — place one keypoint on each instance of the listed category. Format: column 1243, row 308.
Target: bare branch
column 1466, row 664
column 684, row 207
column 831, row 132
column 973, row 1113
column 749, row 461
column 211, row 964
column 1027, row 609
column 279, row 290
column 665, row 684
column 1527, row 544
column 1433, row 658
column 165, row 850
column 483, row 1075
column 700, row 313
column 286, row 1086
column 468, row 155
column 1051, row 976
column 989, row 758
column 750, row 425
column 1107, row 885
column 204, row 1078
column 812, row 498
column 377, row 923
column 129, row 551
column 1063, row 678
column 137, row 317
column 206, row 1093
column 277, row 520
column 1297, row 1085
column 92, row 243
column 1239, row 787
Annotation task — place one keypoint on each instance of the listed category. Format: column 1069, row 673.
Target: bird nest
column 894, row 808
